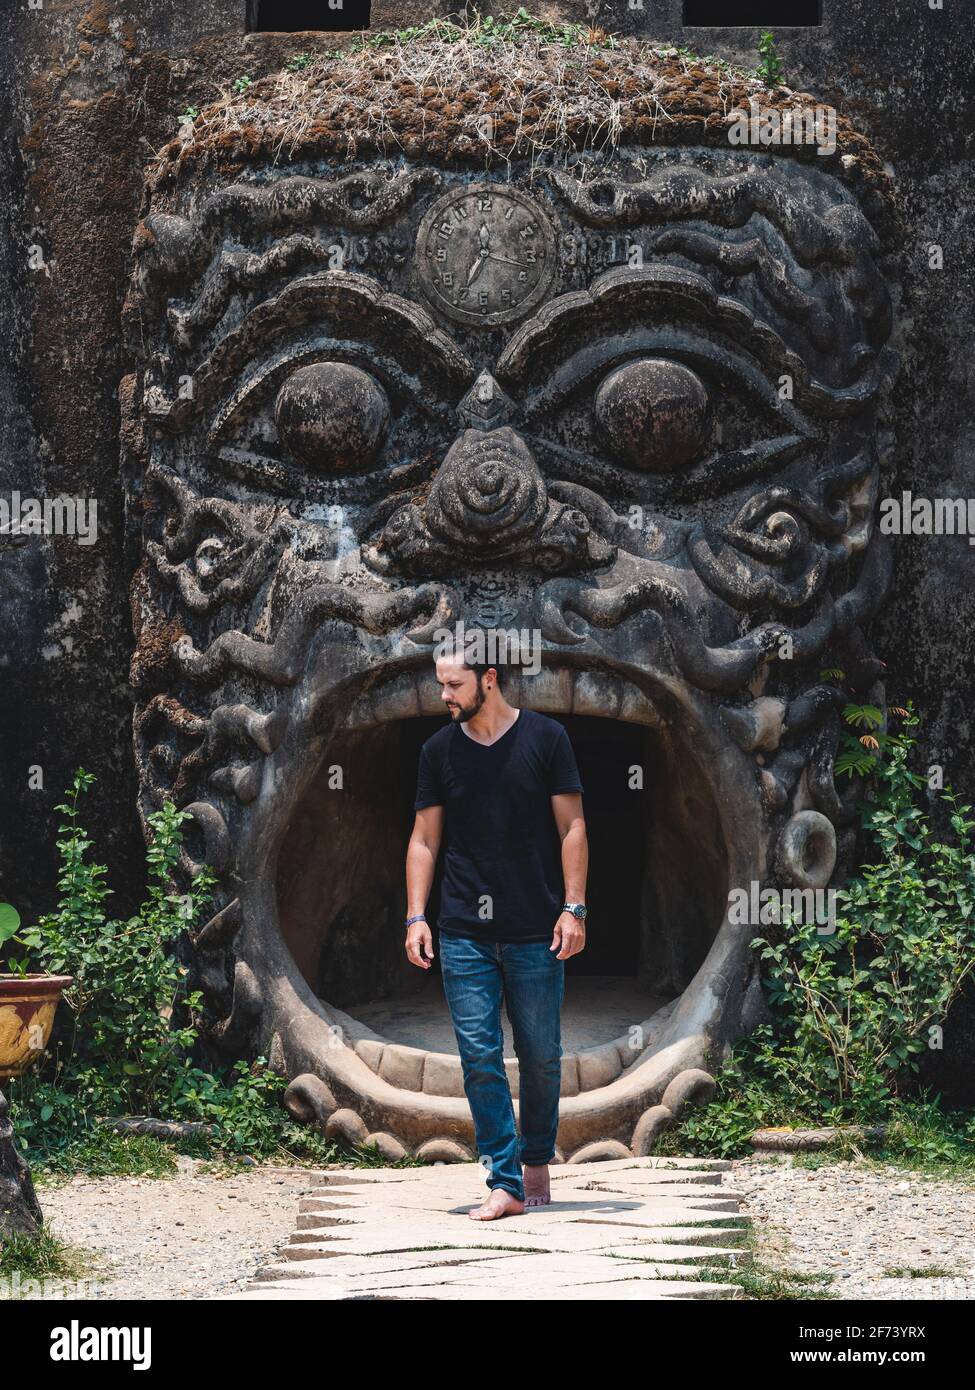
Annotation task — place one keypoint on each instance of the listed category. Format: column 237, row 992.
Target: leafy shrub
column 852, row 1010
column 128, row 985
column 856, row 1007
column 130, row 1037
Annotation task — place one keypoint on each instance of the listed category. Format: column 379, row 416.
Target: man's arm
column 570, row 932
column 421, row 861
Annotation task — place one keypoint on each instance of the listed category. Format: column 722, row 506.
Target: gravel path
column 858, row 1221
column 190, row 1236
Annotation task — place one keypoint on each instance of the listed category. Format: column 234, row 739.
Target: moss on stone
column 443, row 92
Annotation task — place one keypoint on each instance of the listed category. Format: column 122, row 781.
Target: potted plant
column 28, row 1002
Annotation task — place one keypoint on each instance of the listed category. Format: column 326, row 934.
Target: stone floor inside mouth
column 597, row 1009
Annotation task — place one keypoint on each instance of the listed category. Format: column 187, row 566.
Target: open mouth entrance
column 657, row 894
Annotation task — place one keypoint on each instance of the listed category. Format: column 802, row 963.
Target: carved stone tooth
column 397, row 699
column 233, row 1032
column 596, row 693
column 517, row 686
column 267, row 730
column 637, row 708
column 247, row 782
column 692, row 1087
column 444, row 1151
column 570, row 1076
column 346, row 1124
column 221, row 928
column 309, row 1101
column 403, row 1066
column 550, row 691
column 242, row 782
column 650, row 1125
column 758, row 726
column 361, row 715
column 428, row 694
column 598, row 1066
column 443, row 1075
column 600, row 1151
column 371, row 1051
column 388, row 1146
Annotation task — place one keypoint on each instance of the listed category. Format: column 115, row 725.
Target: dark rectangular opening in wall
column 311, row 16
column 746, row 14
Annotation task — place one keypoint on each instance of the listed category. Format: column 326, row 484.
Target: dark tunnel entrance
column 656, row 894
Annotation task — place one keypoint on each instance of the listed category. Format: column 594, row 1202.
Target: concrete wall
column 91, row 87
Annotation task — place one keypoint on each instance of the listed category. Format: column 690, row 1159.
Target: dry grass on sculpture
column 443, row 92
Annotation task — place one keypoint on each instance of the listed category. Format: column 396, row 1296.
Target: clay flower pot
column 27, row 1007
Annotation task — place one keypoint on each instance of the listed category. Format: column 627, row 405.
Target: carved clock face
column 486, row 254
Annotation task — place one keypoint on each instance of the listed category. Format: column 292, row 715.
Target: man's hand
column 570, row 932
column 569, row 936
column 421, row 859
column 419, row 944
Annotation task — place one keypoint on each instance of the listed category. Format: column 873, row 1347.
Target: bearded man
column 499, row 788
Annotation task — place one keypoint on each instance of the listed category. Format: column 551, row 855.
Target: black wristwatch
column 577, row 910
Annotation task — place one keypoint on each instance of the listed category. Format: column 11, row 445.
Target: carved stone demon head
column 633, row 402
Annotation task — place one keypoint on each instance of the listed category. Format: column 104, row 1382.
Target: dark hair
column 479, row 668
column 458, row 652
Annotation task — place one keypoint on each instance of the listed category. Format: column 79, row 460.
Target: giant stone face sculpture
column 632, row 401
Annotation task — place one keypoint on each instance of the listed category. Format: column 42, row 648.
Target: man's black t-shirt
column 502, row 876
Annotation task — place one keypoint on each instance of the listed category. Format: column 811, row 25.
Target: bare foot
column 500, row 1202
column 538, row 1193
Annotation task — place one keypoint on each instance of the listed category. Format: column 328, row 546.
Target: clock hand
column 476, row 267
column 506, row 259
column 484, row 242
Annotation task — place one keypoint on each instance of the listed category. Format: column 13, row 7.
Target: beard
column 462, row 713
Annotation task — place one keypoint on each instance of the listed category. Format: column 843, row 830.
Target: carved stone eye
column 653, row 414
column 332, row 416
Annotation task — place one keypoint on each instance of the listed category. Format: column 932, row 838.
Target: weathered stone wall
column 92, row 87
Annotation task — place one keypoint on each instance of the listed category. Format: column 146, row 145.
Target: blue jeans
column 531, row 979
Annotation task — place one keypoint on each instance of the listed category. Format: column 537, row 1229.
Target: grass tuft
column 40, row 1257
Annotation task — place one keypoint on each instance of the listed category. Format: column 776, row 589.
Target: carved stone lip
column 412, row 1096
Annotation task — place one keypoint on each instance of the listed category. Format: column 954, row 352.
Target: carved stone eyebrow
column 212, row 249
column 620, row 296
column 683, row 192
column 810, row 250
column 314, row 311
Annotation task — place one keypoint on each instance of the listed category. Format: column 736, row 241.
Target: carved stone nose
column 486, row 406
column 488, row 492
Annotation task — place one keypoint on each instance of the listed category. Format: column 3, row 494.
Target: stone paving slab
column 586, row 1206
column 663, row 1251
column 517, row 1269
column 559, row 1288
column 560, row 1231
column 624, row 1229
